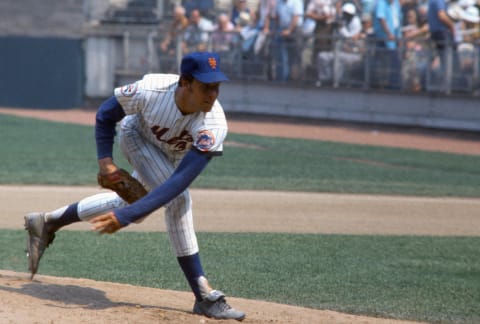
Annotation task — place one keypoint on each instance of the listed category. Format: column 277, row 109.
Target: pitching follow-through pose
column 171, row 126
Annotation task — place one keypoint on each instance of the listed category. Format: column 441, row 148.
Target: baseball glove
column 126, row 186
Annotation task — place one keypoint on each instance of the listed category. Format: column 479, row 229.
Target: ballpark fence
column 415, row 66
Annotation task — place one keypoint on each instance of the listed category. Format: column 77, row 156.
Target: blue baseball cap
column 203, row 66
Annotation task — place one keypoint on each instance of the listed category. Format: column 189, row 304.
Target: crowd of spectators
column 407, row 41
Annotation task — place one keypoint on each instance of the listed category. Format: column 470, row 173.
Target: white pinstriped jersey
column 152, row 100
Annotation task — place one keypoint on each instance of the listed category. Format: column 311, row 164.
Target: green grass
column 434, row 279
column 36, row 151
column 302, row 165
column 430, row 279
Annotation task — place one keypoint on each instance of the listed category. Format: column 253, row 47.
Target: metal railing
column 415, row 66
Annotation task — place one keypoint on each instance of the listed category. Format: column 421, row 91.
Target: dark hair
column 186, row 77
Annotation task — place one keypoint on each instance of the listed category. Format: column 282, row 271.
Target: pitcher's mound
column 49, row 299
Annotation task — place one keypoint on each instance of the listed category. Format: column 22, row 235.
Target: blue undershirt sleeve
column 108, row 115
column 190, row 167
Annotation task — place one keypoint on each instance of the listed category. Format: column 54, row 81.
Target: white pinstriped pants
column 152, row 167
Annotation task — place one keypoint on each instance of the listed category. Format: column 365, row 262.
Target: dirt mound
column 67, row 300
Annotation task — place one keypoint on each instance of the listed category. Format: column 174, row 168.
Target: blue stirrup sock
column 192, row 268
column 56, row 219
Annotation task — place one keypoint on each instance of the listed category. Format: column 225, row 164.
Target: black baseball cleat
column 215, row 306
column 38, row 239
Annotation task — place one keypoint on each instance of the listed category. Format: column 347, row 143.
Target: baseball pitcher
column 170, row 128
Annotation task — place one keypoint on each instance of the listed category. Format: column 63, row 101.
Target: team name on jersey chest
column 178, row 143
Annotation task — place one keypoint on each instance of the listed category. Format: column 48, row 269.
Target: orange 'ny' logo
column 212, row 62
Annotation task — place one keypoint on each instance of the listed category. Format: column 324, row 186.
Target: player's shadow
column 88, row 298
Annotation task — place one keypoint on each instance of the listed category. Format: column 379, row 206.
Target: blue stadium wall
column 43, row 73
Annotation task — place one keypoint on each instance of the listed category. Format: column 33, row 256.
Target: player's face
column 203, row 95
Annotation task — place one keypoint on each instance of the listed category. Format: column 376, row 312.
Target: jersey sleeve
column 130, row 96
column 210, row 133
column 210, row 141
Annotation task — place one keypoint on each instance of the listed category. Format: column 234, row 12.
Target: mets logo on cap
column 212, row 62
column 205, row 140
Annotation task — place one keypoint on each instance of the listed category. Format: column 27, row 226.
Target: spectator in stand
column 442, row 33
column 367, row 26
column 177, row 27
column 264, row 16
column 287, row 39
column 471, row 24
column 406, row 6
column 323, row 12
column 196, row 35
column 339, row 4
column 387, row 23
column 468, row 34
column 246, row 26
column 422, row 12
column 416, row 58
column 367, row 6
column 387, row 28
column 239, row 6
column 224, row 23
column 350, row 48
column 223, row 37
column 254, row 39
column 266, row 12
column 415, row 27
column 206, row 7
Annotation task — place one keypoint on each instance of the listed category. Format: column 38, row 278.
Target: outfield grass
column 435, row 279
column 36, row 151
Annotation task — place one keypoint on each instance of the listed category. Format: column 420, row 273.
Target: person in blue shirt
column 387, row 23
column 442, row 31
column 286, row 44
column 387, row 27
